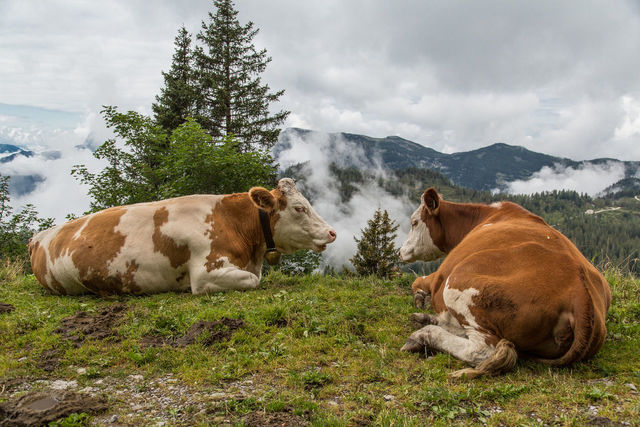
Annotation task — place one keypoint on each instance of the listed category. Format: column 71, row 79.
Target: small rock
column 113, row 419
column 22, row 359
column 98, row 382
column 388, row 397
column 332, row 403
column 631, row 386
column 136, row 377
column 63, row 385
column 81, row 371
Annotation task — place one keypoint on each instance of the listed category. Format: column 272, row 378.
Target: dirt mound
column 41, row 408
column 6, row 308
column 49, row 360
column 83, row 325
column 273, row 419
column 203, row 332
column 207, row 333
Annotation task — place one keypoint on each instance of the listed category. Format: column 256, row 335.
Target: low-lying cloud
column 58, row 194
column 348, row 219
column 590, row 179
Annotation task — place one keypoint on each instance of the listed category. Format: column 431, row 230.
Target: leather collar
column 272, row 255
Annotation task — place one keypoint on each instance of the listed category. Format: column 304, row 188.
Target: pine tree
column 376, row 252
column 232, row 99
column 178, row 98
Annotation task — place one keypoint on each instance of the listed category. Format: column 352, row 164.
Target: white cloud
column 59, row 194
column 452, row 74
column 590, row 179
column 631, row 123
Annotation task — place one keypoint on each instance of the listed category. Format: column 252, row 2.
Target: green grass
column 321, row 348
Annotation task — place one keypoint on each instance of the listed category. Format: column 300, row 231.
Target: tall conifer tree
column 232, row 100
column 377, row 253
column 178, row 98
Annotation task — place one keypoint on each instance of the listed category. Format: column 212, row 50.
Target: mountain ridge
column 486, row 168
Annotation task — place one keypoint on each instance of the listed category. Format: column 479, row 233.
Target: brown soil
column 208, row 333
column 203, row 332
column 6, row 308
column 49, row 360
column 42, row 408
column 284, row 419
column 83, row 325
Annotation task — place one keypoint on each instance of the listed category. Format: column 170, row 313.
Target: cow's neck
column 246, row 223
column 458, row 219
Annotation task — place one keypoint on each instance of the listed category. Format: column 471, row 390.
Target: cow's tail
column 587, row 335
column 502, row 360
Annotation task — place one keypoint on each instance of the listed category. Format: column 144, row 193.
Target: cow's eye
column 414, row 222
column 300, row 209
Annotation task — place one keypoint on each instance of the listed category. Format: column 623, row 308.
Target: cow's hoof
column 412, row 345
column 422, row 319
column 421, row 299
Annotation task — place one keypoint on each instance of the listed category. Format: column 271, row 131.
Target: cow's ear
column 431, row 200
column 262, row 198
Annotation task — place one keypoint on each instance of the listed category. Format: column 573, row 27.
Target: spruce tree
column 232, row 100
column 376, row 252
column 177, row 99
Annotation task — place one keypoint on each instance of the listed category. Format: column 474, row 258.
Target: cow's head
column 425, row 230
column 297, row 225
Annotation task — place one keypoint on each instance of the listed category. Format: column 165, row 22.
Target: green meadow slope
column 307, row 350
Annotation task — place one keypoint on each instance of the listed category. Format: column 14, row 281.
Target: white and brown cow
column 205, row 243
column 510, row 285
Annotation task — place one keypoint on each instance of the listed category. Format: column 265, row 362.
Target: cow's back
column 141, row 248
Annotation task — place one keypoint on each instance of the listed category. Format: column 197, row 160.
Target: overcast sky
column 556, row 77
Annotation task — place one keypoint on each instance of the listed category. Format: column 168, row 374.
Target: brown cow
column 205, row 243
column 510, row 285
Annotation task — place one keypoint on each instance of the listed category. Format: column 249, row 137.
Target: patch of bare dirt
column 6, row 308
column 49, row 360
column 83, row 325
column 203, row 332
column 41, row 408
column 208, row 333
column 284, row 419
column 595, row 420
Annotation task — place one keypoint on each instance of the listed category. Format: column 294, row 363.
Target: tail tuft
column 501, row 361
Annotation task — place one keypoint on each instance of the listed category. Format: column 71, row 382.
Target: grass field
column 315, row 350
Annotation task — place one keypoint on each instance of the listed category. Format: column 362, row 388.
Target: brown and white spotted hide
column 510, row 285
column 202, row 243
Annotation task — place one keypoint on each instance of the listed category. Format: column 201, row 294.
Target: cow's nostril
column 332, row 234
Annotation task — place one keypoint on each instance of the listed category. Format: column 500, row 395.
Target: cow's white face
column 419, row 245
column 298, row 226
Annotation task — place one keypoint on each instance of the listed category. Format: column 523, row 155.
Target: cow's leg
column 223, row 279
column 444, row 320
column 421, row 291
column 485, row 358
